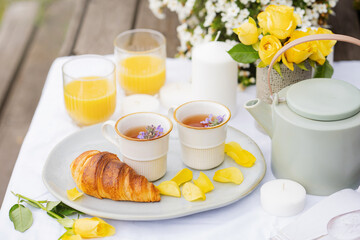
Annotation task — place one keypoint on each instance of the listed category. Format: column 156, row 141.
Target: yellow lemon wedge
column 241, row 156
column 169, row 188
column 191, row 192
column 183, row 176
column 204, row 183
column 73, row 194
column 231, row 174
column 92, row 227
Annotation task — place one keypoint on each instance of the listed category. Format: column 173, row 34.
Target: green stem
column 39, row 205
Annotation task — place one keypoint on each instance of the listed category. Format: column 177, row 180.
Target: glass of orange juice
column 89, row 89
column 140, row 56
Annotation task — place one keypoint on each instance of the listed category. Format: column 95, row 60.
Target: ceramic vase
column 278, row 82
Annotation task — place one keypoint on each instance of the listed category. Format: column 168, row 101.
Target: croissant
column 103, row 175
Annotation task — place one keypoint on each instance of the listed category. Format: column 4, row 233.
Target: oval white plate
column 57, row 178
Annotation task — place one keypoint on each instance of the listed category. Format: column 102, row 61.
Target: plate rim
column 127, row 217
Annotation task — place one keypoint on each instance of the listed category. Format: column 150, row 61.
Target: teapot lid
column 324, row 99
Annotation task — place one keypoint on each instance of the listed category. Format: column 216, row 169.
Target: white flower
column 332, row 3
column 173, row 5
column 232, row 14
column 321, row 8
column 233, row 10
column 209, row 19
column 156, row 7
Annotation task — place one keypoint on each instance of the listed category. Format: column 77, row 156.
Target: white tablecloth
column 244, row 219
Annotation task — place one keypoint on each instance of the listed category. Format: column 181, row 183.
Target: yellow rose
column 298, row 53
column 279, row 21
column 323, row 47
column 269, row 45
column 248, row 32
column 92, row 227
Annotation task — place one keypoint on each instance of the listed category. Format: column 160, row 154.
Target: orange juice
column 142, row 74
column 90, row 100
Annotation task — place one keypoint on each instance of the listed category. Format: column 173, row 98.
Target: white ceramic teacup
column 202, row 148
column 146, row 156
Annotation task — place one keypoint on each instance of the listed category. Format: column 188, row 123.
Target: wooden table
column 33, row 35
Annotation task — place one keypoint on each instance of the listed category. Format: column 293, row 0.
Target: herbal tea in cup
column 142, row 139
column 202, row 129
column 89, row 89
column 203, row 120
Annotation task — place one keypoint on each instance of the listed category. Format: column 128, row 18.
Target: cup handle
column 171, row 113
column 106, row 134
column 174, row 132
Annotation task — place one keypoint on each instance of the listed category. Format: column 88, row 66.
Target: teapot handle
column 316, row 37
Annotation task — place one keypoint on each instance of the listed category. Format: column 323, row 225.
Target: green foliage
column 67, row 223
column 278, row 69
column 244, row 53
column 324, row 71
column 302, row 66
column 62, row 209
column 21, row 216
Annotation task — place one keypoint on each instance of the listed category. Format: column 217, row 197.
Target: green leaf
column 324, row 71
column 66, row 222
column 261, row 64
column 302, row 66
column 277, row 68
column 312, row 63
column 244, row 53
column 64, row 210
column 51, row 205
column 21, row 216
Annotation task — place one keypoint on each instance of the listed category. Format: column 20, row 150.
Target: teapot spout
column 262, row 112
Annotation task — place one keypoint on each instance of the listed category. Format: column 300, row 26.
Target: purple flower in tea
column 211, row 121
column 151, row 132
column 207, row 120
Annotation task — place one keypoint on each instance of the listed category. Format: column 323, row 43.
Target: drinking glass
column 140, row 56
column 89, row 89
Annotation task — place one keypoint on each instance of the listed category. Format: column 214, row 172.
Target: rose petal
column 86, row 227
column 104, row 229
column 70, row 235
column 73, row 194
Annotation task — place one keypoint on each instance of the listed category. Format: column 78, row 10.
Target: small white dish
column 57, row 178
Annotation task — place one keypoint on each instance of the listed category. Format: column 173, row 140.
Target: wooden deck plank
column 146, row 19
column 16, row 29
column 346, row 22
column 74, row 27
column 24, row 96
column 103, row 21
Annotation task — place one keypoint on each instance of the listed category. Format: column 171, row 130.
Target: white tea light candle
column 139, row 103
column 174, row 94
column 214, row 74
column 282, row 197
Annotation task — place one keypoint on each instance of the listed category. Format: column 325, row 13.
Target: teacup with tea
column 202, row 127
column 143, row 140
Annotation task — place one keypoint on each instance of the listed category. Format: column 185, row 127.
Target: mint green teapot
column 314, row 126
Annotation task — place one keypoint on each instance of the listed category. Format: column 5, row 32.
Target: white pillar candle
column 214, row 74
column 174, row 94
column 282, row 197
column 139, row 103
